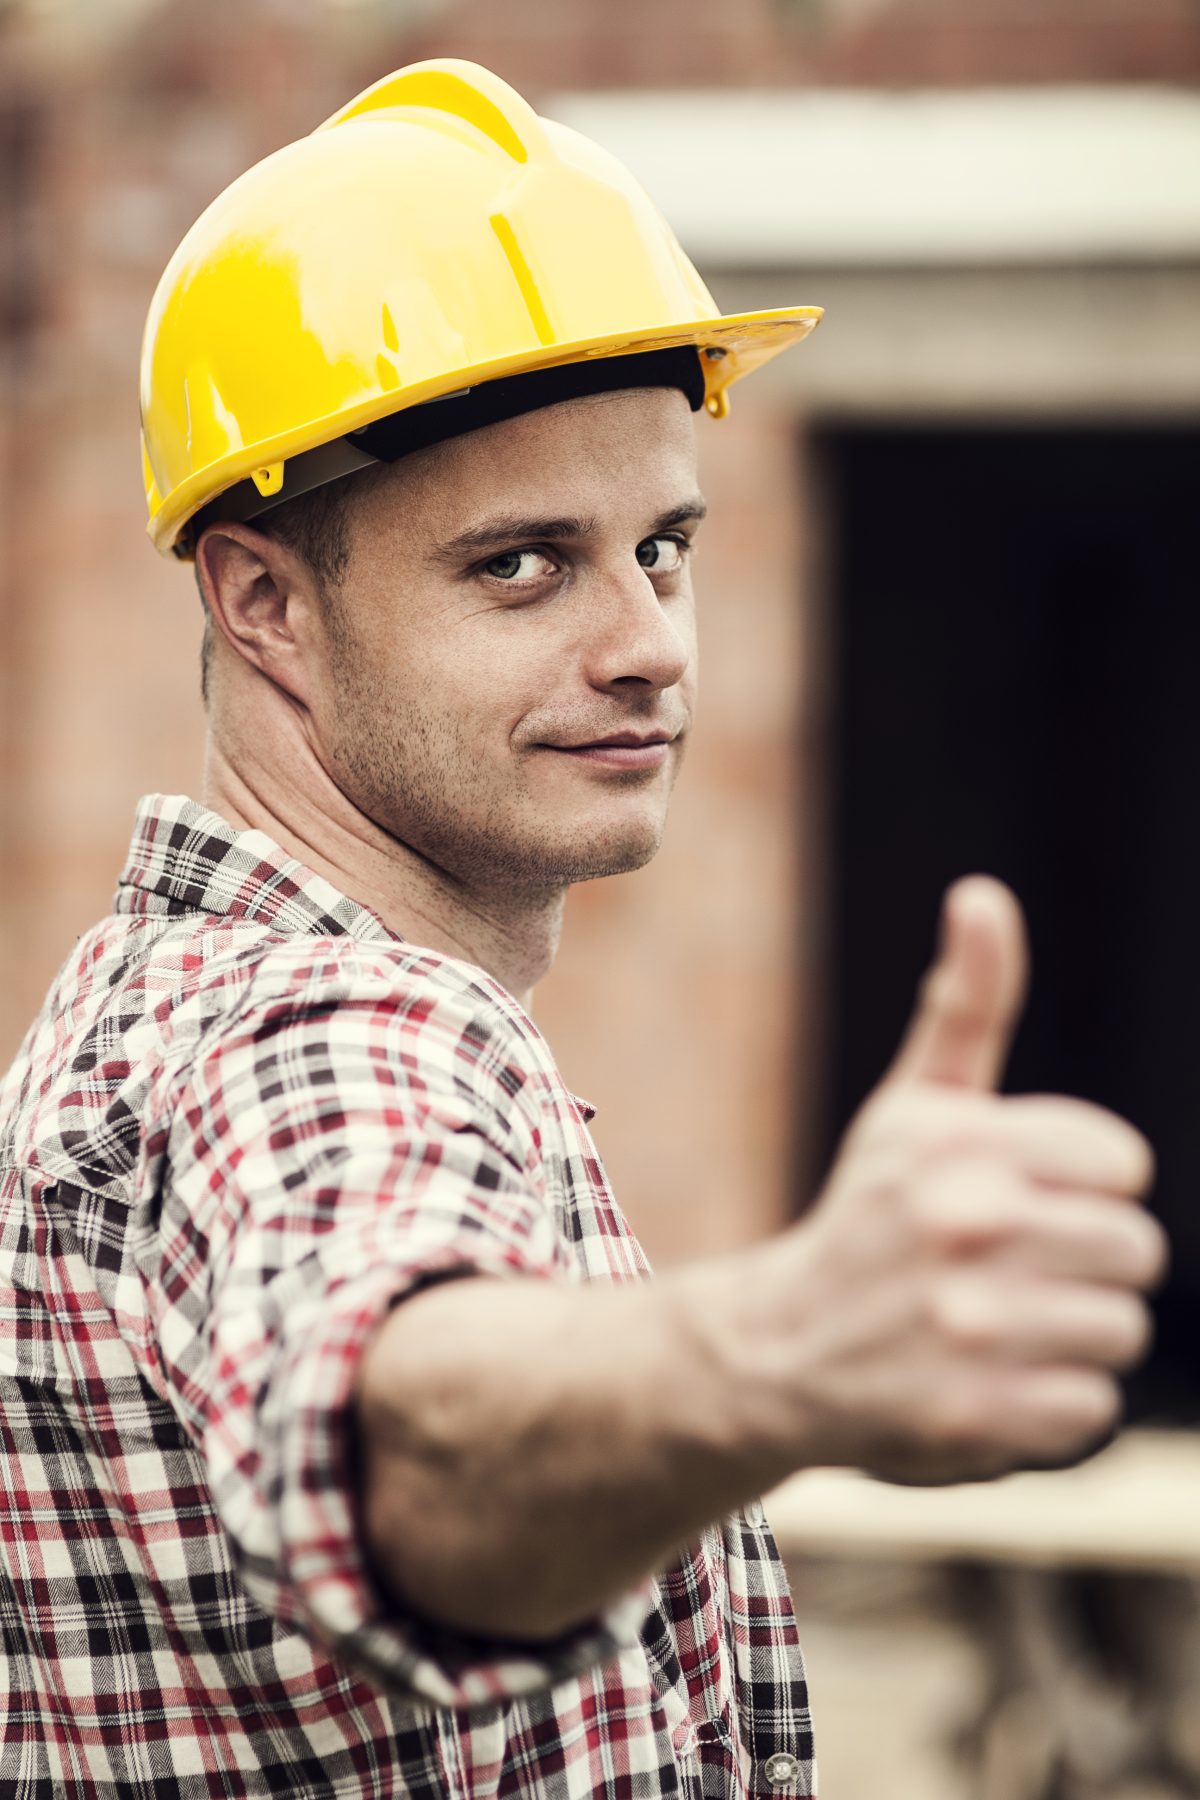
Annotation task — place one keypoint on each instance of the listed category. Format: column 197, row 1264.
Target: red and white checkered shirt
column 247, row 1121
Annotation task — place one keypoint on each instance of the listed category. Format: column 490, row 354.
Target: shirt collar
column 185, row 859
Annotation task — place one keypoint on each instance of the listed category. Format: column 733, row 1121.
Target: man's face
column 511, row 665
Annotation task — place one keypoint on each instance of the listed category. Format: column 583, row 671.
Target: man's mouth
column 621, row 749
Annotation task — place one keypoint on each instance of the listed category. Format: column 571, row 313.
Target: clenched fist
column 971, row 1280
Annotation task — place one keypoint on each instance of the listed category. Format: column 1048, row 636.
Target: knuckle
column 1086, row 1412
column 1142, row 1166
column 1129, row 1156
column 933, row 1222
column 1098, row 1406
column 961, row 1317
column 1132, row 1335
column 1051, row 1418
column 958, row 1423
column 1150, row 1255
column 966, row 1210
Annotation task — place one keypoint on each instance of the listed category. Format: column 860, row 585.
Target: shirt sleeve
column 334, row 1147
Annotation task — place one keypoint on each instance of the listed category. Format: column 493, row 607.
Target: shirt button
column 782, row 1768
column 754, row 1513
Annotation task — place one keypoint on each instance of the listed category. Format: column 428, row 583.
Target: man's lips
column 621, row 749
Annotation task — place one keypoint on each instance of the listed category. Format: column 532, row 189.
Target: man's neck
column 512, row 937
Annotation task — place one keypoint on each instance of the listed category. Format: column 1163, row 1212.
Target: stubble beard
column 414, row 774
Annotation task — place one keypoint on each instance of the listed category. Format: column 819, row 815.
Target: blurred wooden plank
column 1134, row 1506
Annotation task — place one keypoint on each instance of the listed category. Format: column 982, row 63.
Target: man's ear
column 262, row 600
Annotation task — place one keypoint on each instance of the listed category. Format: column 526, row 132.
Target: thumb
column 970, row 1002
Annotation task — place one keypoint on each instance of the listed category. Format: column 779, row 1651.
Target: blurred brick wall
column 781, row 43
column 676, row 1002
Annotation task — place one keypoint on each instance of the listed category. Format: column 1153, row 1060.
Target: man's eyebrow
column 512, row 528
column 691, row 511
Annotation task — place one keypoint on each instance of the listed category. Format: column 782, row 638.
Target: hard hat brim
column 731, row 346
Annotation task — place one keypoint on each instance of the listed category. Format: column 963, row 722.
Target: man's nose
column 637, row 635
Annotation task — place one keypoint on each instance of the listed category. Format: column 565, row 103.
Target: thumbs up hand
column 970, row 1282
column 970, row 1001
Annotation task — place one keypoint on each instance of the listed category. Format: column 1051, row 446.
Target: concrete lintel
column 852, row 178
column 1091, row 344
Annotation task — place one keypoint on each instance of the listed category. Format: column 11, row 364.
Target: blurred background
column 948, row 624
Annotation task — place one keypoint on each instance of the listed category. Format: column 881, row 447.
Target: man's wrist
column 734, row 1320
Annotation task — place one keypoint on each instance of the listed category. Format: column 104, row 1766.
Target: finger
column 972, row 1209
column 1044, row 1322
column 970, row 1001
column 1055, row 1416
column 1088, row 1237
column 1051, row 1138
column 1071, row 1143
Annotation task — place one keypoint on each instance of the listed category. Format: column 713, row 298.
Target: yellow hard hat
column 435, row 234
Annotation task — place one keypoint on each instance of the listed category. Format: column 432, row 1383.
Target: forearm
column 956, row 1304
column 530, row 1451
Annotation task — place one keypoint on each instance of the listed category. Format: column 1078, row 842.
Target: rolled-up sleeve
column 348, row 1135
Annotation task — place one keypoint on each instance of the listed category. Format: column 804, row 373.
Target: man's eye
column 662, row 554
column 519, row 565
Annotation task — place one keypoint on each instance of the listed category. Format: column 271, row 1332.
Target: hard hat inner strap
column 468, row 409
column 301, row 474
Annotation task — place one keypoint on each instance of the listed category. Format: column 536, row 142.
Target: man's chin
column 616, row 853
column 598, row 868
column 540, row 861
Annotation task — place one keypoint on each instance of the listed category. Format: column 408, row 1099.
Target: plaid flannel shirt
column 247, row 1121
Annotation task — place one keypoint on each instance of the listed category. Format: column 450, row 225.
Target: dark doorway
column 1017, row 636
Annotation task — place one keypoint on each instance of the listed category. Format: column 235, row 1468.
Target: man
column 346, row 1450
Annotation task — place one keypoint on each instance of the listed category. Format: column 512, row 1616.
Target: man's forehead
column 651, row 419
column 576, row 456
